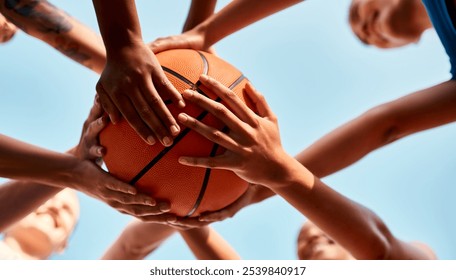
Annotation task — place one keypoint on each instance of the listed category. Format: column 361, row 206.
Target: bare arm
column 233, row 17
column 239, row 14
column 380, row 126
column 254, row 152
column 355, row 227
column 199, row 11
column 75, row 169
column 42, row 20
column 207, row 244
column 31, row 196
column 22, row 161
column 137, row 241
column 418, row 111
column 133, row 84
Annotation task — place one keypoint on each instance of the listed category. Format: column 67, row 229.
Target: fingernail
column 171, row 219
column 181, row 103
column 187, row 93
column 100, row 151
column 204, row 77
column 112, row 119
column 183, row 160
column 132, row 191
column 151, row 140
column 182, row 117
column 163, row 206
column 174, row 129
column 167, row 141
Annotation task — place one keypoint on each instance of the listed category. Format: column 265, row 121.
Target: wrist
column 292, row 173
column 73, row 151
column 121, row 43
column 202, row 30
column 69, row 173
column 260, row 193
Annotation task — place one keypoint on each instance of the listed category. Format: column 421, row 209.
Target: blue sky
column 315, row 75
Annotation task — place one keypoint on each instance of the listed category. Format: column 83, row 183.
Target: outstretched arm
column 418, row 111
column 42, row 20
column 207, row 244
column 43, row 173
column 133, row 84
column 199, row 11
column 380, row 126
column 138, row 240
column 254, row 152
column 20, row 198
column 233, row 17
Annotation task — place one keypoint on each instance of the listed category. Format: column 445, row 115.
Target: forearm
column 345, row 145
column 380, row 126
column 53, row 26
column 22, row 161
column 239, row 14
column 351, row 225
column 31, row 195
column 119, row 24
column 137, row 241
column 207, row 244
column 199, row 11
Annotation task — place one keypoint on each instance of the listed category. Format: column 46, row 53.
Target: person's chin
column 316, row 252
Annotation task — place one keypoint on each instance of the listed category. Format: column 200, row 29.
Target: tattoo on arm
column 47, row 18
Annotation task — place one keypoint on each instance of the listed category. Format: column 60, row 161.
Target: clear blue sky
column 315, row 74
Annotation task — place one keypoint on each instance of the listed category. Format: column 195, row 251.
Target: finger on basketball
column 232, row 100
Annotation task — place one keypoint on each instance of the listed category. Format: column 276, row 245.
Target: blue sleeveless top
column 443, row 25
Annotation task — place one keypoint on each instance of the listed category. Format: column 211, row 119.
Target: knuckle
column 256, row 123
column 211, row 162
column 216, row 135
column 154, row 100
column 191, row 123
column 165, row 82
column 144, row 110
column 230, row 95
column 220, row 110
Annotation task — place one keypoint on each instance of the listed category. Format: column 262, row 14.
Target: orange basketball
column 155, row 170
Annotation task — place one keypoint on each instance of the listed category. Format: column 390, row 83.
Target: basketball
column 154, row 170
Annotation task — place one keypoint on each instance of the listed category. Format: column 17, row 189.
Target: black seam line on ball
column 179, row 137
column 207, row 175
column 185, row 80
column 165, row 150
column 205, row 63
